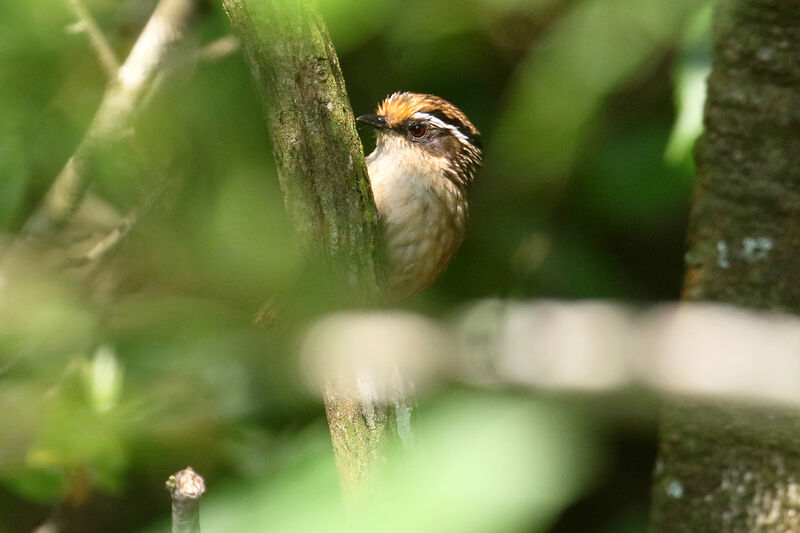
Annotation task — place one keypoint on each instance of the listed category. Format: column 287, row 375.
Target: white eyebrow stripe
column 439, row 123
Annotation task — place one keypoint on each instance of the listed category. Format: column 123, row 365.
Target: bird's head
column 426, row 130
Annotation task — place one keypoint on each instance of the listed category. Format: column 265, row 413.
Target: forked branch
column 165, row 29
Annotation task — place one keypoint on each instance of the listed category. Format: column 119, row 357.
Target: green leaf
column 690, row 77
column 597, row 47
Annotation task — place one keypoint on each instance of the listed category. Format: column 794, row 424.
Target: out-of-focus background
column 588, row 109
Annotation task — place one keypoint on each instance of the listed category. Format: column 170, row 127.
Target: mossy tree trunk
column 322, row 173
column 317, row 150
column 726, row 467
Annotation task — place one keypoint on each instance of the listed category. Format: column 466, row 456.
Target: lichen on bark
column 735, row 467
column 744, row 233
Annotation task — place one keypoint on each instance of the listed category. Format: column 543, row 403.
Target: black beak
column 376, row 121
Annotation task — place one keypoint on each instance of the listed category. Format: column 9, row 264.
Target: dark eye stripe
column 457, row 124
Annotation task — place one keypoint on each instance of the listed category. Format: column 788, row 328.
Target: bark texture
column 723, row 467
column 186, row 488
column 317, row 150
column 321, row 168
column 358, row 431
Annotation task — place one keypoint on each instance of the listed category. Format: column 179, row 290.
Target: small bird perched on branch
column 426, row 155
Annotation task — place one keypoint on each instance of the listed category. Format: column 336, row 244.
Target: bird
column 426, row 155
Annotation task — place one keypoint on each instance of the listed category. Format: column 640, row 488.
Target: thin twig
column 209, row 53
column 105, row 54
column 105, row 245
column 215, row 50
column 186, row 488
column 113, row 239
column 165, row 29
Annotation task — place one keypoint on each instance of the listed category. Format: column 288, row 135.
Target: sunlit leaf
column 559, row 88
column 691, row 73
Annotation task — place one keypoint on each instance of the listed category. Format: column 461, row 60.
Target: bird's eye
column 417, row 130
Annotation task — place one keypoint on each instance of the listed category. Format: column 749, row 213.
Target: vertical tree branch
column 322, row 173
column 724, row 468
column 317, row 151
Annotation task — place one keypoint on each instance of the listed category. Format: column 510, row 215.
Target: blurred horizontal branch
column 700, row 350
column 320, row 165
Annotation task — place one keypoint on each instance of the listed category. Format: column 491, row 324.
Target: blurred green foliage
column 535, row 458
column 101, row 398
